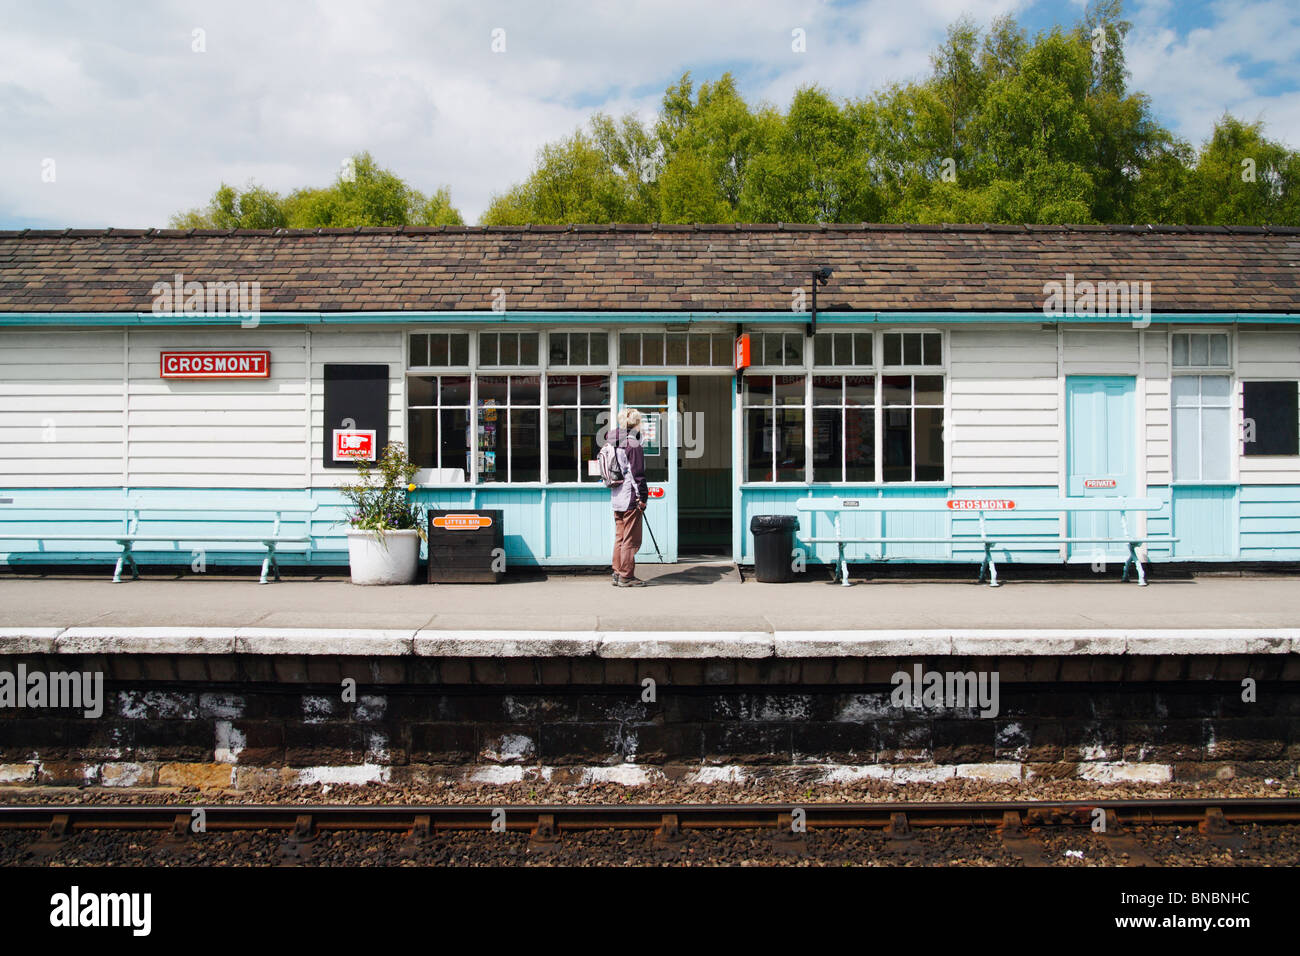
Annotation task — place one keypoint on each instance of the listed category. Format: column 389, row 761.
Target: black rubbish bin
column 773, row 547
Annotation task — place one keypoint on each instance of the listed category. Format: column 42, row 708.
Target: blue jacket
column 634, row 488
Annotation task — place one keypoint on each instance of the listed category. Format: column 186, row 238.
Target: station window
column 1200, row 350
column 843, row 350
column 912, row 427
column 507, row 349
column 437, row 423
column 439, row 350
column 577, row 413
column 775, row 420
column 1202, row 427
column 779, row 349
column 578, row 348
column 1272, row 418
column 709, row 349
column 509, row 428
column 913, row 349
column 844, row 428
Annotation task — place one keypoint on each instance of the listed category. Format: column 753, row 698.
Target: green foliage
column 379, row 501
column 1003, row 129
column 362, row 194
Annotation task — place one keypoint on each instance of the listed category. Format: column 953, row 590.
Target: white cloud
column 141, row 127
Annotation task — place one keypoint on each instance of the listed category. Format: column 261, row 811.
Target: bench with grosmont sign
column 984, row 537
column 142, row 522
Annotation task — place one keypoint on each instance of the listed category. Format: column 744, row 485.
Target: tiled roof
column 659, row 267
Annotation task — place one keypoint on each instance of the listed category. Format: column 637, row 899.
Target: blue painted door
column 655, row 397
column 1101, row 455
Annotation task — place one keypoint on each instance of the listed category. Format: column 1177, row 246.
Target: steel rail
column 575, row 817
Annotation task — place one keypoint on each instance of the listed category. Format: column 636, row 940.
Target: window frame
column 879, row 370
column 1228, row 371
column 474, row 369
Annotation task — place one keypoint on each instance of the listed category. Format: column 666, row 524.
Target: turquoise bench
column 136, row 518
column 981, row 507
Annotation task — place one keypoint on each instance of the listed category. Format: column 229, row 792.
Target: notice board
column 356, row 399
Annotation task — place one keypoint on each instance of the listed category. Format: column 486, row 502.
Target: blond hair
column 629, row 418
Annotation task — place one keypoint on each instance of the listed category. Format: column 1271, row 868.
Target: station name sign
column 981, row 504
column 240, row 364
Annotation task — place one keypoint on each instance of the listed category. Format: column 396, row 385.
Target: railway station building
column 188, row 369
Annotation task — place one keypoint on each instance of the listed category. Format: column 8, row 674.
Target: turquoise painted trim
column 1205, row 523
column 150, row 319
column 570, row 525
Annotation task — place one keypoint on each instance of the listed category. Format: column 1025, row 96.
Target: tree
column 363, row 194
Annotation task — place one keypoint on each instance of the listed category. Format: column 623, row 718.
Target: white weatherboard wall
column 1004, row 407
column 88, row 408
column 214, row 433
column 1157, row 422
column 62, row 409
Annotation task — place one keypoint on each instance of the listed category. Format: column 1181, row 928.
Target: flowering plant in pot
column 385, row 527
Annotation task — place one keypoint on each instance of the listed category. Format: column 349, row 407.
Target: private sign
column 214, row 364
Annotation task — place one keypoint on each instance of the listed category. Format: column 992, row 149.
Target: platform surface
column 700, row 610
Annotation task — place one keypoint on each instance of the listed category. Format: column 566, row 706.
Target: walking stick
column 646, row 518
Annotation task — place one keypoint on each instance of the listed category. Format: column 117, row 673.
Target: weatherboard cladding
column 651, row 268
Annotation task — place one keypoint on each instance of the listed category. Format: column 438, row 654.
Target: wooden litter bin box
column 465, row 545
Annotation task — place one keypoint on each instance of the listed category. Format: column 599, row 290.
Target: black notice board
column 1274, row 407
column 359, row 393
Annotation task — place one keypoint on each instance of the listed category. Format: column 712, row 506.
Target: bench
column 135, row 516
column 981, row 507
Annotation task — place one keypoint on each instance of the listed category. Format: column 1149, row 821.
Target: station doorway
column 704, row 465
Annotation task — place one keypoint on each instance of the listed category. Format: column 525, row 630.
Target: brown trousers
column 627, row 541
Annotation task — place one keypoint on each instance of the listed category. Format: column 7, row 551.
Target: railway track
column 1018, row 824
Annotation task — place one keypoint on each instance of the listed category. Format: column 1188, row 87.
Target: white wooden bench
column 136, row 517
column 980, row 507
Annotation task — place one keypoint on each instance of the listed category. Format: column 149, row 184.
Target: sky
column 123, row 113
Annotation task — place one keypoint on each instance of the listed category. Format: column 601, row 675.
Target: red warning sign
column 656, row 492
column 1099, row 483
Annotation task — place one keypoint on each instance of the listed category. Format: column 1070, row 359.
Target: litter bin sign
column 466, row 546
column 773, row 547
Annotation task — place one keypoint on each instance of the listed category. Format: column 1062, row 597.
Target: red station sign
column 981, row 504
column 241, row 364
column 351, row 445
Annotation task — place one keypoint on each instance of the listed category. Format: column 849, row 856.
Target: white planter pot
column 392, row 558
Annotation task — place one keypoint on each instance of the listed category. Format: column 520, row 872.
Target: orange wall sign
column 462, row 522
column 742, row 351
